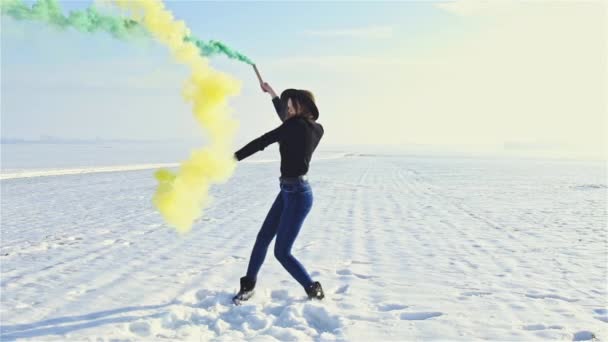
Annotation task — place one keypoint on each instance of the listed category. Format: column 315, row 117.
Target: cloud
column 372, row 32
column 532, row 73
column 348, row 63
column 478, row 7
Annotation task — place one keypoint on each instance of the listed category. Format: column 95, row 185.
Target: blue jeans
column 284, row 221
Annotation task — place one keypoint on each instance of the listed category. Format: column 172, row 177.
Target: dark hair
column 303, row 101
column 302, row 109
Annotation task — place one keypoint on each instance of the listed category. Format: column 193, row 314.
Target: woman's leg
column 265, row 236
column 296, row 206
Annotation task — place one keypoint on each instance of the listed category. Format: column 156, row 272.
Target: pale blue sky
column 383, row 73
column 58, row 83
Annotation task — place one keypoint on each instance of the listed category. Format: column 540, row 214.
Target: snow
column 406, row 248
column 73, row 171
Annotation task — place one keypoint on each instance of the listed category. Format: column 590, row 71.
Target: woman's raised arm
column 276, row 101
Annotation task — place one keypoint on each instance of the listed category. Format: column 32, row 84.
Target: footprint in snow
column 550, row 296
column 347, row 272
column 344, row 272
column 602, row 315
column 535, row 327
column 356, row 262
column 140, row 328
column 583, row 335
column 385, row 307
column 419, row 316
column 279, row 295
column 344, row 289
column 475, row 293
column 363, row 276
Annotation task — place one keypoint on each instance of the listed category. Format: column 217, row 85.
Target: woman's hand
column 268, row 89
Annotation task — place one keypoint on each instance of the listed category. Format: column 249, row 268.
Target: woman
column 298, row 138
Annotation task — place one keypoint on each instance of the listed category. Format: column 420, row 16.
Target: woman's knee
column 264, row 238
column 282, row 254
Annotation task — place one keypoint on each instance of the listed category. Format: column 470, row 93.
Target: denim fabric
column 284, row 221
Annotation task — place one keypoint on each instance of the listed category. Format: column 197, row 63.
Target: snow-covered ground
column 407, row 248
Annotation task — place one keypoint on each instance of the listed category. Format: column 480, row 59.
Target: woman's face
column 291, row 111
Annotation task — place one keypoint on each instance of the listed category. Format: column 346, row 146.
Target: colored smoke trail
column 214, row 47
column 180, row 197
column 91, row 20
column 88, row 20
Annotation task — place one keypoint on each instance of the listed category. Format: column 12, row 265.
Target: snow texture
column 407, row 248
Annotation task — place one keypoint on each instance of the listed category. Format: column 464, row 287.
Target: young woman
column 298, row 138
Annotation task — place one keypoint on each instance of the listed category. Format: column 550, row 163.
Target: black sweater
column 298, row 138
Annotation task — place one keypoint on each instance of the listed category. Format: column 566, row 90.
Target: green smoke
column 91, row 20
column 213, row 47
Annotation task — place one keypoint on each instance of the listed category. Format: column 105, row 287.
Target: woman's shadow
column 67, row 324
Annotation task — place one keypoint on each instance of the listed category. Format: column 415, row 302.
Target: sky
column 524, row 77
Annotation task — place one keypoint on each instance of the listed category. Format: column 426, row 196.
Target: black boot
column 315, row 291
column 246, row 291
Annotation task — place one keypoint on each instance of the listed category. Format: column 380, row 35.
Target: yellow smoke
column 181, row 197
